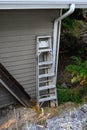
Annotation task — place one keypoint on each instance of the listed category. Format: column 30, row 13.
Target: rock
column 84, row 124
column 85, row 13
column 10, row 107
column 64, row 85
column 35, row 127
column 84, row 108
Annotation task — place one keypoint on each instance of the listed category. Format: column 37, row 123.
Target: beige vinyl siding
column 5, row 97
column 18, row 31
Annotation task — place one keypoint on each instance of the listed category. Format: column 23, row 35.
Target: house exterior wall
column 18, row 31
column 5, row 97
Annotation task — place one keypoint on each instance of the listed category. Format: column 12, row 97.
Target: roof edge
column 35, row 4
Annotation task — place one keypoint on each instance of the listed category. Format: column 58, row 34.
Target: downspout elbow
column 69, row 12
column 72, row 8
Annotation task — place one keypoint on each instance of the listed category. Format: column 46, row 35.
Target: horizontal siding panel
column 25, row 74
column 5, row 97
column 21, row 67
column 15, row 38
column 31, row 86
column 29, row 77
column 17, row 49
column 31, row 52
column 33, row 95
column 32, row 12
column 5, row 102
column 19, row 26
column 26, row 19
column 21, row 32
column 26, row 78
column 17, row 44
column 24, row 22
column 17, row 58
column 33, row 91
column 22, row 71
column 28, row 82
column 11, row 44
column 21, row 62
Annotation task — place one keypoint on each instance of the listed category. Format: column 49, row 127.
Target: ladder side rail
column 37, row 71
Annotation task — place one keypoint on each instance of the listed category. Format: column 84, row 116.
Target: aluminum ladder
column 46, row 88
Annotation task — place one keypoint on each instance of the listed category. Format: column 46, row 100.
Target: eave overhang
column 41, row 4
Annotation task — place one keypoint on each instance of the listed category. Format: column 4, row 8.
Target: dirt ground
column 18, row 118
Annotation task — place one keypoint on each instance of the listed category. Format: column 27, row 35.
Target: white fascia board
column 41, row 4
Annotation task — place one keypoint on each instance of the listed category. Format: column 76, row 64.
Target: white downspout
column 56, row 37
column 56, row 40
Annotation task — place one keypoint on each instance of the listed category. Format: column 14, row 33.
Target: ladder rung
column 45, row 81
column 43, row 68
column 46, row 87
column 45, row 63
column 47, row 98
column 44, row 50
column 46, row 75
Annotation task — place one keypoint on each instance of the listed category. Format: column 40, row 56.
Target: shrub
column 78, row 70
column 83, row 90
column 67, row 94
column 72, row 26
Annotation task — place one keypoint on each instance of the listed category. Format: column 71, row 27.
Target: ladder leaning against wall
column 46, row 86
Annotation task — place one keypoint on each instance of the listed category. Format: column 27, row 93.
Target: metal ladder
column 46, row 88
